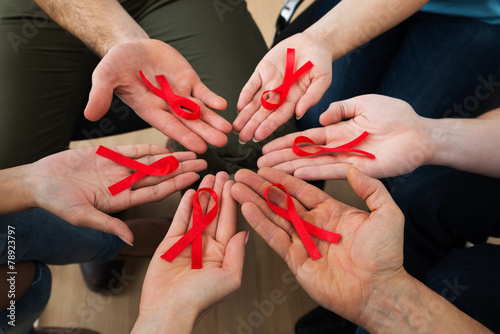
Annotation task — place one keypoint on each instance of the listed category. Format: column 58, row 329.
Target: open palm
column 370, row 248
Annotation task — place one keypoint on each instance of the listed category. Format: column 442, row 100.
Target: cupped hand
column 369, row 253
column 74, row 185
column 254, row 121
column 118, row 72
column 399, row 138
column 174, row 295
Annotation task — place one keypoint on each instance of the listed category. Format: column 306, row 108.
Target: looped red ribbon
column 161, row 167
column 175, row 101
column 302, row 227
column 342, row 148
column 288, row 80
column 194, row 235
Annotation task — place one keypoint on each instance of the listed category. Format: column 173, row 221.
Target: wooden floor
column 73, row 305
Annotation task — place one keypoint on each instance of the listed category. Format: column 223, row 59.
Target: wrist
column 173, row 319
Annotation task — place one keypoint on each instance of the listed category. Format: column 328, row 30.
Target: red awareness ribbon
column 194, row 235
column 302, row 227
column 342, row 148
column 288, row 80
column 161, row 167
column 175, row 101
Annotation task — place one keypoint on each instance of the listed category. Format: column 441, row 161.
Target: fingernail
column 242, row 142
column 255, row 140
column 247, row 237
column 198, row 176
column 298, row 118
column 125, row 241
column 236, row 133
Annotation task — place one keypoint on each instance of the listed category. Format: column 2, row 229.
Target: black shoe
column 322, row 321
column 104, row 276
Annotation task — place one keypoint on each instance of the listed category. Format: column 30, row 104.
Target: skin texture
column 345, row 27
column 125, row 48
column 73, row 185
column 187, row 294
column 400, row 140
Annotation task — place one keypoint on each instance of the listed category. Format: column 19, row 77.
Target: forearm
column 408, row 306
column 352, row 23
column 471, row 145
column 14, row 194
column 100, row 24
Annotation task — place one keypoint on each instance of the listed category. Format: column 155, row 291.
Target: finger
column 227, row 222
column 276, row 119
column 277, row 158
column 234, row 258
column 337, row 171
column 161, row 190
column 203, row 197
column 274, row 235
column 220, row 179
column 318, row 135
column 313, row 95
column 205, row 131
column 245, row 115
column 182, row 216
column 138, row 151
column 244, row 194
column 293, row 162
column 372, row 191
column 101, row 94
column 249, row 90
column 212, row 100
column 308, row 195
column 184, row 167
column 215, row 120
column 89, row 216
column 171, row 126
column 339, row 111
column 248, row 131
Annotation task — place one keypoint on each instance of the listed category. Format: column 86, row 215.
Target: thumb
column 339, row 111
column 372, row 191
column 235, row 255
column 100, row 96
column 89, row 216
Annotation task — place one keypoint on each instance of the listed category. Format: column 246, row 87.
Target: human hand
column 74, row 185
column 254, row 121
column 368, row 256
column 174, row 296
column 118, row 72
column 399, row 139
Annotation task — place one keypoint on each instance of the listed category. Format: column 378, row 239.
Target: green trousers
column 45, row 75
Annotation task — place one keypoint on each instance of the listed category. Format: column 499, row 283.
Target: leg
column 35, row 229
column 443, row 209
column 446, row 66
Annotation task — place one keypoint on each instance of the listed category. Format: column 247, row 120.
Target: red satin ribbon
column 342, row 148
column 288, row 80
column 161, row 167
column 175, row 101
column 303, row 227
column 194, row 235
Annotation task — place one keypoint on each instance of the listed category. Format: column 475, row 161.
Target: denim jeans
column 47, row 239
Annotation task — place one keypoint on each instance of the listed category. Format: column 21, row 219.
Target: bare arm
column 352, row 23
column 16, row 196
column 100, row 24
column 471, row 145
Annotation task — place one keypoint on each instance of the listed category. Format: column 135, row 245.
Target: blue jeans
column 47, row 239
